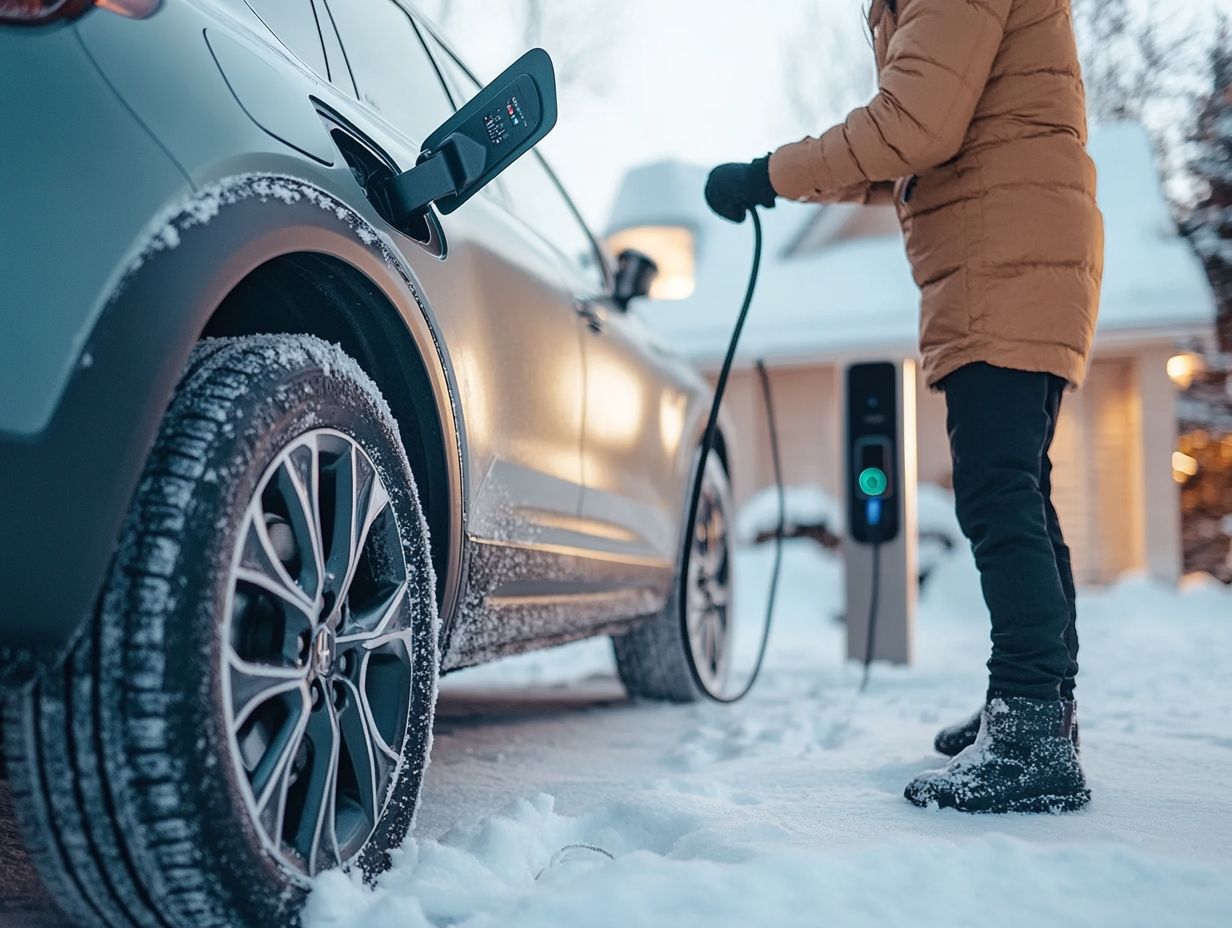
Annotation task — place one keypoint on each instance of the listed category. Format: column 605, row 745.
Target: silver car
column 275, row 452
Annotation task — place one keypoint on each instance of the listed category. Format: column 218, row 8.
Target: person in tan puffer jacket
column 977, row 135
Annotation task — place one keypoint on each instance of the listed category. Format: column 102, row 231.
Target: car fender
column 72, row 483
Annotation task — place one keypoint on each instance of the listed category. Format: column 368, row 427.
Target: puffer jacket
column 978, row 132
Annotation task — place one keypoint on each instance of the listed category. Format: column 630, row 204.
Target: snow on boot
column 1022, row 760
column 954, row 738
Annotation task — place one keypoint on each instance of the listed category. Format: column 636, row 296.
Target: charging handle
column 455, row 164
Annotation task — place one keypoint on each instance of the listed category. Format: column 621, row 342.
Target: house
column 835, row 287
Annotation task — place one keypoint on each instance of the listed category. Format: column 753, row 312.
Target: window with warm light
column 1202, row 465
column 672, row 248
column 1184, row 367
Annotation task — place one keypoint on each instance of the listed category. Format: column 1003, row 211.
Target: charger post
column 879, row 548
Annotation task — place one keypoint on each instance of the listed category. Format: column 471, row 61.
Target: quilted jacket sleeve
column 878, row 194
column 934, row 73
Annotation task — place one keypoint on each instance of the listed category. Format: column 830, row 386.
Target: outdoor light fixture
column 1184, row 367
column 1183, row 466
column 672, row 248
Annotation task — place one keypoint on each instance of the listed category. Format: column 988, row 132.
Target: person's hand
column 734, row 189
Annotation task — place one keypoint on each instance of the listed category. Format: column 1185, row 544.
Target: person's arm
column 936, row 67
column 879, row 194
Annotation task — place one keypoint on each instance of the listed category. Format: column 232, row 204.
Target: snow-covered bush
column 809, row 511
column 813, row 513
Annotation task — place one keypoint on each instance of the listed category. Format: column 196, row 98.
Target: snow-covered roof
column 856, row 295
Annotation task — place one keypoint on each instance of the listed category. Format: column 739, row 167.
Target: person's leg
column 1061, row 551
column 1023, row 758
column 1000, row 422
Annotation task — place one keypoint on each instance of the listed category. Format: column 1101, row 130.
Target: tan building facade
column 1113, row 482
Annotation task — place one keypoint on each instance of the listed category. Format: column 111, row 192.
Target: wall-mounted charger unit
column 879, row 550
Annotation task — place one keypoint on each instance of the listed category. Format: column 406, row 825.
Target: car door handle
column 594, row 321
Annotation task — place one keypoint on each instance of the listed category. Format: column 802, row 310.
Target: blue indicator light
column 872, row 512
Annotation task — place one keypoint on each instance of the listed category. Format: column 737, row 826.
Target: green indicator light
column 873, row 481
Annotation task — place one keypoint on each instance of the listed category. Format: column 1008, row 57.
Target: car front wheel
column 252, row 701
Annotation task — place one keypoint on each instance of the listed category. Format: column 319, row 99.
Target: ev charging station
column 879, row 469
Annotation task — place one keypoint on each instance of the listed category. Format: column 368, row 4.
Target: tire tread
column 94, row 776
column 652, row 659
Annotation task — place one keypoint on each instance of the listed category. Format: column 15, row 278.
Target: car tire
column 129, row 761
column 664, row 659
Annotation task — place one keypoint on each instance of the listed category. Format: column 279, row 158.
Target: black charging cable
column 873, row 514
column 695, row 498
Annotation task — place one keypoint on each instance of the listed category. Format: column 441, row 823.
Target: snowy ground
column 788, row 810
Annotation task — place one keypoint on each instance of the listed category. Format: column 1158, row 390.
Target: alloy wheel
column 708, row 592
column 316, row 652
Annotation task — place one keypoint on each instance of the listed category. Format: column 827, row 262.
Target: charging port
column 373, row 172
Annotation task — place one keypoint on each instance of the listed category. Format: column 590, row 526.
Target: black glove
column 734, row 189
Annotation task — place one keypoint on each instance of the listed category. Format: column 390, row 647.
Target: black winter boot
column 956, row 737
column 1023, row 760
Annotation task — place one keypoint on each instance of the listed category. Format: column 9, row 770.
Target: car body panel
column 518, row 361
column 523, row 448
column 101, row 176
column 269, row 98
column 637, row 418
column 557, row 528
column 520, row 597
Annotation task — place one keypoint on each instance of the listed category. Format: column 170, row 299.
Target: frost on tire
column 137, row 763
column 690, row 640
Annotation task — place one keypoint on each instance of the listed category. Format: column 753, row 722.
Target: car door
column 508, row 318
column 635, row 398
column 636, row 393
column 636, row 455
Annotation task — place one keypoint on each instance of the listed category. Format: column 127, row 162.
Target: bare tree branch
column 825, row 76
column 574, row 37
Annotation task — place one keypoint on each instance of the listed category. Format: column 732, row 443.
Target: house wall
column 1112, row 482
column 806, row 404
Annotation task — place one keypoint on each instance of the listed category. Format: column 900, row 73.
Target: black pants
column 1001, row 424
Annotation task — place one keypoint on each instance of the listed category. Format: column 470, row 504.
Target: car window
column 538, row 201
column 295, row 25
column 391, row 67
column 462, row 84
column 335, row 56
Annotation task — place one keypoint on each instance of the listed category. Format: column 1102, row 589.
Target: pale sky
column 700, row 80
